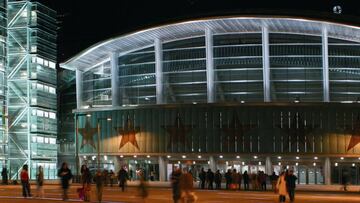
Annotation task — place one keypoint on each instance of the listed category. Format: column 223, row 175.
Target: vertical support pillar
column 268, row 166
column 266, row 63
column 212, row 164
column 162, row 169
column 159, row 71
column 325, row 64
column 79, row 89
column 209, row 66
column 327, row 171
column 115, row 99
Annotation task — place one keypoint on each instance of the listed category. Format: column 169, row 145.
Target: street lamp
column 98, row 139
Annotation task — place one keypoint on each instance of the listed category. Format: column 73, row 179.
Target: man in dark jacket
column 175, row 184
column 217, row 179
column 122, row 177
column 210, row 179
column 246, row 180
column 65, row 175
column 202, row 177
column 291, row 184
column 228, row 179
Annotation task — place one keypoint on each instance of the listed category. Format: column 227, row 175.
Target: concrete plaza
column 12, row 194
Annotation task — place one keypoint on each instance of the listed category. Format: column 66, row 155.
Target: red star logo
column 87, row 133
column 235, row 131
column 355, row 133
column 128, row 133
column 297, row 133
column 177, row 133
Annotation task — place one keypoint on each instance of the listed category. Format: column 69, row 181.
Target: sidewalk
column 305, row 188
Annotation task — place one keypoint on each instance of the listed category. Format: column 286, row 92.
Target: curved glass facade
column 297, row 65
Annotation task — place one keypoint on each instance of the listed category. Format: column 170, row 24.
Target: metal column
column 209, row 66
column 79, row 88
column 266, row 63
column 268, row 166
column 327, row 171
column 162, row 169
column 325, row 64
column 159, row 71
column 115, row 99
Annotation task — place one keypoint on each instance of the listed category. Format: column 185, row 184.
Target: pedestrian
column 291, row 184
column 202, row 177
column 175, row 184
column 86, row 183
column 143, row 188
column 4, row 176
column 111, row 177
column 210, row 179
column 217, row 179
column 187, row 187
column 246, row 180
column 239, row 179
column 152, row 176
column 281, row 187
column 131, row 174
column 262, row 178
column 235, row 179
column 100, row 182
column 122, row 177
column 273, row 179
column 65, row 176
column 344, row 180
column 40, row 182
column 228, row 179
column 24, row 177
column 106, row 177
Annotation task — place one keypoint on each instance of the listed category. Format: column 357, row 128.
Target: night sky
column 83, row 23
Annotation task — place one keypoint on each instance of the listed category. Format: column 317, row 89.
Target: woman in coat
column 281, row 187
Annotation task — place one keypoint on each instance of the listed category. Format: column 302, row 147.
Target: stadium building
column 250, row 93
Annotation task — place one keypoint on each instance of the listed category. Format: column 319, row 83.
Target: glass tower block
column 31, row 81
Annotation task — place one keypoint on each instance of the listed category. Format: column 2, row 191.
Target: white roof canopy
column 126, row 43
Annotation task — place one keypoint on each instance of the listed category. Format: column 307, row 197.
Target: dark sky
column 85, row 22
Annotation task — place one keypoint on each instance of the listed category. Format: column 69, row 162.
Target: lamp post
column 98, row 139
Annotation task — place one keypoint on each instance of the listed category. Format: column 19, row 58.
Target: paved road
column 161, row 195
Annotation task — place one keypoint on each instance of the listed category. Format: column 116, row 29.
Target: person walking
column 344, row 180
column 273, row 179
column 187, row 187
column 202, row 177
column 4, row 176
column 86, row 183
column 143, row 188
column 291, row 184
column 100, row 182
column 111, row 177
column 228, row 179
column 246, row 180
column 281, row 187
column 40, row 182
column 210, row 179
column 122, row 177
column 175, row 184
column 24, row 177
column 131, row 175
column 65, row 176
column 217, row 179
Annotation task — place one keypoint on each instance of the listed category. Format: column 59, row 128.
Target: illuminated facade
column 31, row 88
column 246, row 93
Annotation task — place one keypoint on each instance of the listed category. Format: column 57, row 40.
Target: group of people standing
column 233, row 180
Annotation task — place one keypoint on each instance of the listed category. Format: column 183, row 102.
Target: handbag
column 81, row 193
